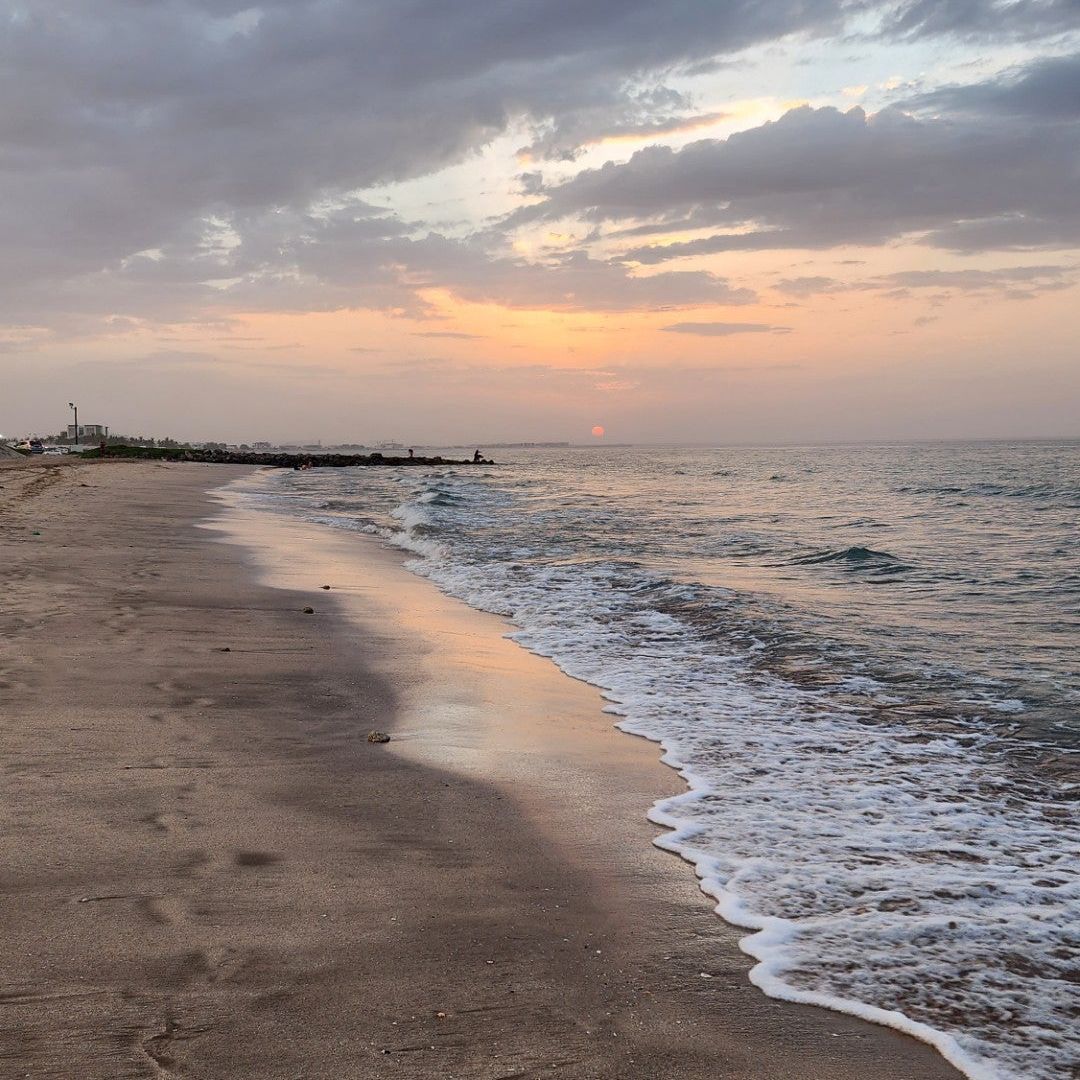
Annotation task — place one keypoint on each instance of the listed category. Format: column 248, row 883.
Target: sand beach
column 208, row 871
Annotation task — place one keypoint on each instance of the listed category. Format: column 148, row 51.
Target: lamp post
column 72, row 405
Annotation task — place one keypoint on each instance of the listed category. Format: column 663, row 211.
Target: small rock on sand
column 309, row 611
column 378, row 736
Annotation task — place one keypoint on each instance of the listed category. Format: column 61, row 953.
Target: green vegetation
column 139, row 451
column 63, row 439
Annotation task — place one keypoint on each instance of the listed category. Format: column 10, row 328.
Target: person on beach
column 410, row 452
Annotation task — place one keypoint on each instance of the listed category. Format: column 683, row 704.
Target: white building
column 89, row 431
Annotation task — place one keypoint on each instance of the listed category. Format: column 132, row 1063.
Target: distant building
column 260, row 446
column 88, row 431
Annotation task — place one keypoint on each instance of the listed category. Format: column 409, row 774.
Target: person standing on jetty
column 477, row 457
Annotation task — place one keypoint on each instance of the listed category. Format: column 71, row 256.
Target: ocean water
column 865, row 661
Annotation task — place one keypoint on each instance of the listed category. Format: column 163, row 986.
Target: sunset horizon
column 818, row 224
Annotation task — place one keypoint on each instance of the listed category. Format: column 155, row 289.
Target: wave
column 995, row 490
column 437, row 497
column 854, row 558
column 862, row 523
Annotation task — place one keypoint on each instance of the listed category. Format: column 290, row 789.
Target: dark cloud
column 125, row 124
column 149, row 148
column 176, row 128
column 1047, row 89
column 1023, row 20
column 644, row 114
column 821, row 178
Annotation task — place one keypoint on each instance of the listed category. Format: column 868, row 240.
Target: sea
column 864, row 661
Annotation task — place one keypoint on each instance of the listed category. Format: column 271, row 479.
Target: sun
column 598, row 431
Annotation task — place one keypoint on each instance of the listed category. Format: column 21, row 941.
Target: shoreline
column 211, row 872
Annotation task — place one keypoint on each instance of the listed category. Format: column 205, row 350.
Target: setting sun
column 598, row 431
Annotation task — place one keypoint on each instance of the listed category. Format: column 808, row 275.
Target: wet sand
column 207, row 871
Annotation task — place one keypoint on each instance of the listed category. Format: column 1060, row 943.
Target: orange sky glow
column 876, row 248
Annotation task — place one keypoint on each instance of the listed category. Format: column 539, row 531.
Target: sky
column 505, row 220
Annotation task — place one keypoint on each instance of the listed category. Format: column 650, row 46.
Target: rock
column 309, row 611
column 326, row 586
column 378, row 737
column 278, row 459
column 224, row 648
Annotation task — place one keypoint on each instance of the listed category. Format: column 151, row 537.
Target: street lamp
column 72, row 405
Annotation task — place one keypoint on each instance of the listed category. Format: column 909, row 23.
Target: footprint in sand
column 255, row 858
column 166, row 821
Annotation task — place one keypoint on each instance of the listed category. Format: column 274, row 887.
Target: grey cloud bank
column 134, row 128
column 1045, row 90
column 820, row 178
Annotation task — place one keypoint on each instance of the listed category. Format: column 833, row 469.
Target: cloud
column 615, row 386
column 126, row 125
column 578, row 282
column 808, row 285
column 163, row 161
column 980, row 20
column 1045, row 90
column 160, row 359
column 1009, row 279
column 820, row 178
column 447, row 334
column 973, row 280
column 639, row 116
column 724, row 329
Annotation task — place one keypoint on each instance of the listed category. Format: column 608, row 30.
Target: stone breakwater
column 278, row 460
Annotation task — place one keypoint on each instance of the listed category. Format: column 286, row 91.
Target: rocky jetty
column 295, row 460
